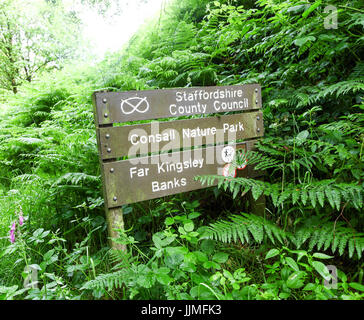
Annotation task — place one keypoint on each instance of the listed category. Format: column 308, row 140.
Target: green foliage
column 35, row 36
column 246, row 229
column 323, row 235
column 43, row 261
column 318, row 193
column 181, row 267
column 290, row 275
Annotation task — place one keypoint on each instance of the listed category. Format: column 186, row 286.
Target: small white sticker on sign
column 228, row 171
column 242, row 166
column 228, row 154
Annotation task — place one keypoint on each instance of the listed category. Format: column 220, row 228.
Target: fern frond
column 244, row 228
column 307, row 193
column 248, row 227
column 107, row 281
column 76, row 178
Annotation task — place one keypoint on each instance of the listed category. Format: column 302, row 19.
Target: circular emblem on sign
column 228, row 154
column 134, row 104
column 229, row 171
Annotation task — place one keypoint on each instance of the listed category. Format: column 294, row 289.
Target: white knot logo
column 133, row 104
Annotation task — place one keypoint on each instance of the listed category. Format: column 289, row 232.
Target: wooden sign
column 144, row 178
column 130, row 140
column 118, row 107
column 151, row 160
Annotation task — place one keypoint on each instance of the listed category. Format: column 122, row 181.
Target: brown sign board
column 119, row 107
column 164, row 157
column 145, row 178
column 164, row 136
column 188, row 147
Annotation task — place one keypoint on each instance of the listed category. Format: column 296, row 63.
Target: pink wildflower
column 21, row 217
column 12, row 233
column 12, row 236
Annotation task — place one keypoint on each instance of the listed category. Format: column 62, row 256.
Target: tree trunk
column 14, row 86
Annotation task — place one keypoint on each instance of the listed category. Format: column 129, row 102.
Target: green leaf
column 295, row 196
column 292, row 263
column 300, row 254
column 351, row 247
column 312, row 195
column 181, row 230
column 174, row 256
column 311, row 8
column 322, row 256
column 356, row 286
column 256, row 191
column 35, row 267
column 321, row 269
column 201, row 256
column 169, row 221
column 236, row 191
column 211, row 264
column 294, row 280
column 145, row 281
column 189, row 226
column 284, row 295
column 157, row 241
column 302, row 137
column 271, row 253
column 163, row 278
column 188, row 267
column 220, row 257
column 309, row 287
column 127, row 210
column 301, row 41
column 164, row 270
column 194, row 215
column 207, row 246
column 304, row 197
column 296, row 8
column 320, row 197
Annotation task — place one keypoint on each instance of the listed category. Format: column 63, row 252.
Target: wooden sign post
column 163, row 157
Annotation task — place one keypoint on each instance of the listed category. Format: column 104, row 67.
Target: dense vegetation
column 204, row 244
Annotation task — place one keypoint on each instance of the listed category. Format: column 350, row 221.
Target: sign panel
column 131, row 140
column 118, row 107
column 144, row 178
column 171, row 170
